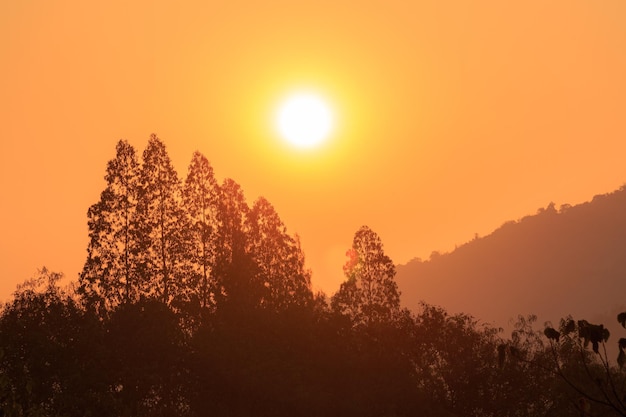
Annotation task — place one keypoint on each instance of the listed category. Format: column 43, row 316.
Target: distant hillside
column 557, row 262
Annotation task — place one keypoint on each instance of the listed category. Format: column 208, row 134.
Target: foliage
column 370, row 293
column 192, row 303
column 281, row 271
column 201, row 199
column 140, row 359
column 110, row 275
column 193, row 245
column 50, row 362
column 236, row 284
column 147, row 369
column 588, row 374
column 163, row 228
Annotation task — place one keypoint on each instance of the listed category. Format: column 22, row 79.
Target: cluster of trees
column 58, row 358
column 190, row 244
column 191, row 303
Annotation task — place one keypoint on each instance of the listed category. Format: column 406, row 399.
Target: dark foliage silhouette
column 192, row 303
column 110, row 275
column 370, row 292
column 201, row 199
column 163, row 228
column 578, row 356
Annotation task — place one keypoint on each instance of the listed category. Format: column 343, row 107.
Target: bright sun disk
column 304, row 120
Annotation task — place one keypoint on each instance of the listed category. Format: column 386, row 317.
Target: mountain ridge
column 551, row 264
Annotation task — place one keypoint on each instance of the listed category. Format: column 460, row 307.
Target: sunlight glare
column 304, row 120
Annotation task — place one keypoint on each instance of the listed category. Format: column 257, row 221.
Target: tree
column 370, row 292
column 201, row 199
column 278, row 257
column 50, row 355
column 162, row 227
column 234, row 268
column 522, row 386
column 590, row 375
column 299, row 280
column 109, row 276
column 456, row 364
column 147, row 365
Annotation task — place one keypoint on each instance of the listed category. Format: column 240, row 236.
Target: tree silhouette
column 163, row 227
column 109, row 276
column 147, row 360
column 235, row 270
column 50, row 354
column 370, row 292
column 278, row 257
column 589, row 374
column 201, row 200
column 457, row 362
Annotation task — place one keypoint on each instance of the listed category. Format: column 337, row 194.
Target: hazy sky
column 453, row 116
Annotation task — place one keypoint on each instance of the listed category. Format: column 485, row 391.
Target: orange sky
column 453, row 116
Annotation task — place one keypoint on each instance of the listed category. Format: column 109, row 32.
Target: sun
column 305, row 120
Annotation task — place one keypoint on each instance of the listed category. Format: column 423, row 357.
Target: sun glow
column 304, row 120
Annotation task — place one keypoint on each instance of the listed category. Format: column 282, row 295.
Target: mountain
column 556, row 262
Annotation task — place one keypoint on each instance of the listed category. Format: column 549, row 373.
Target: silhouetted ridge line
column 570, row 260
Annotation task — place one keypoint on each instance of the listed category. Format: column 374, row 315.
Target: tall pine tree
column 163, row 228
column 370, row 293
column 110, row 275
column 201, row 199
column 278, row 257
column 234, row 268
